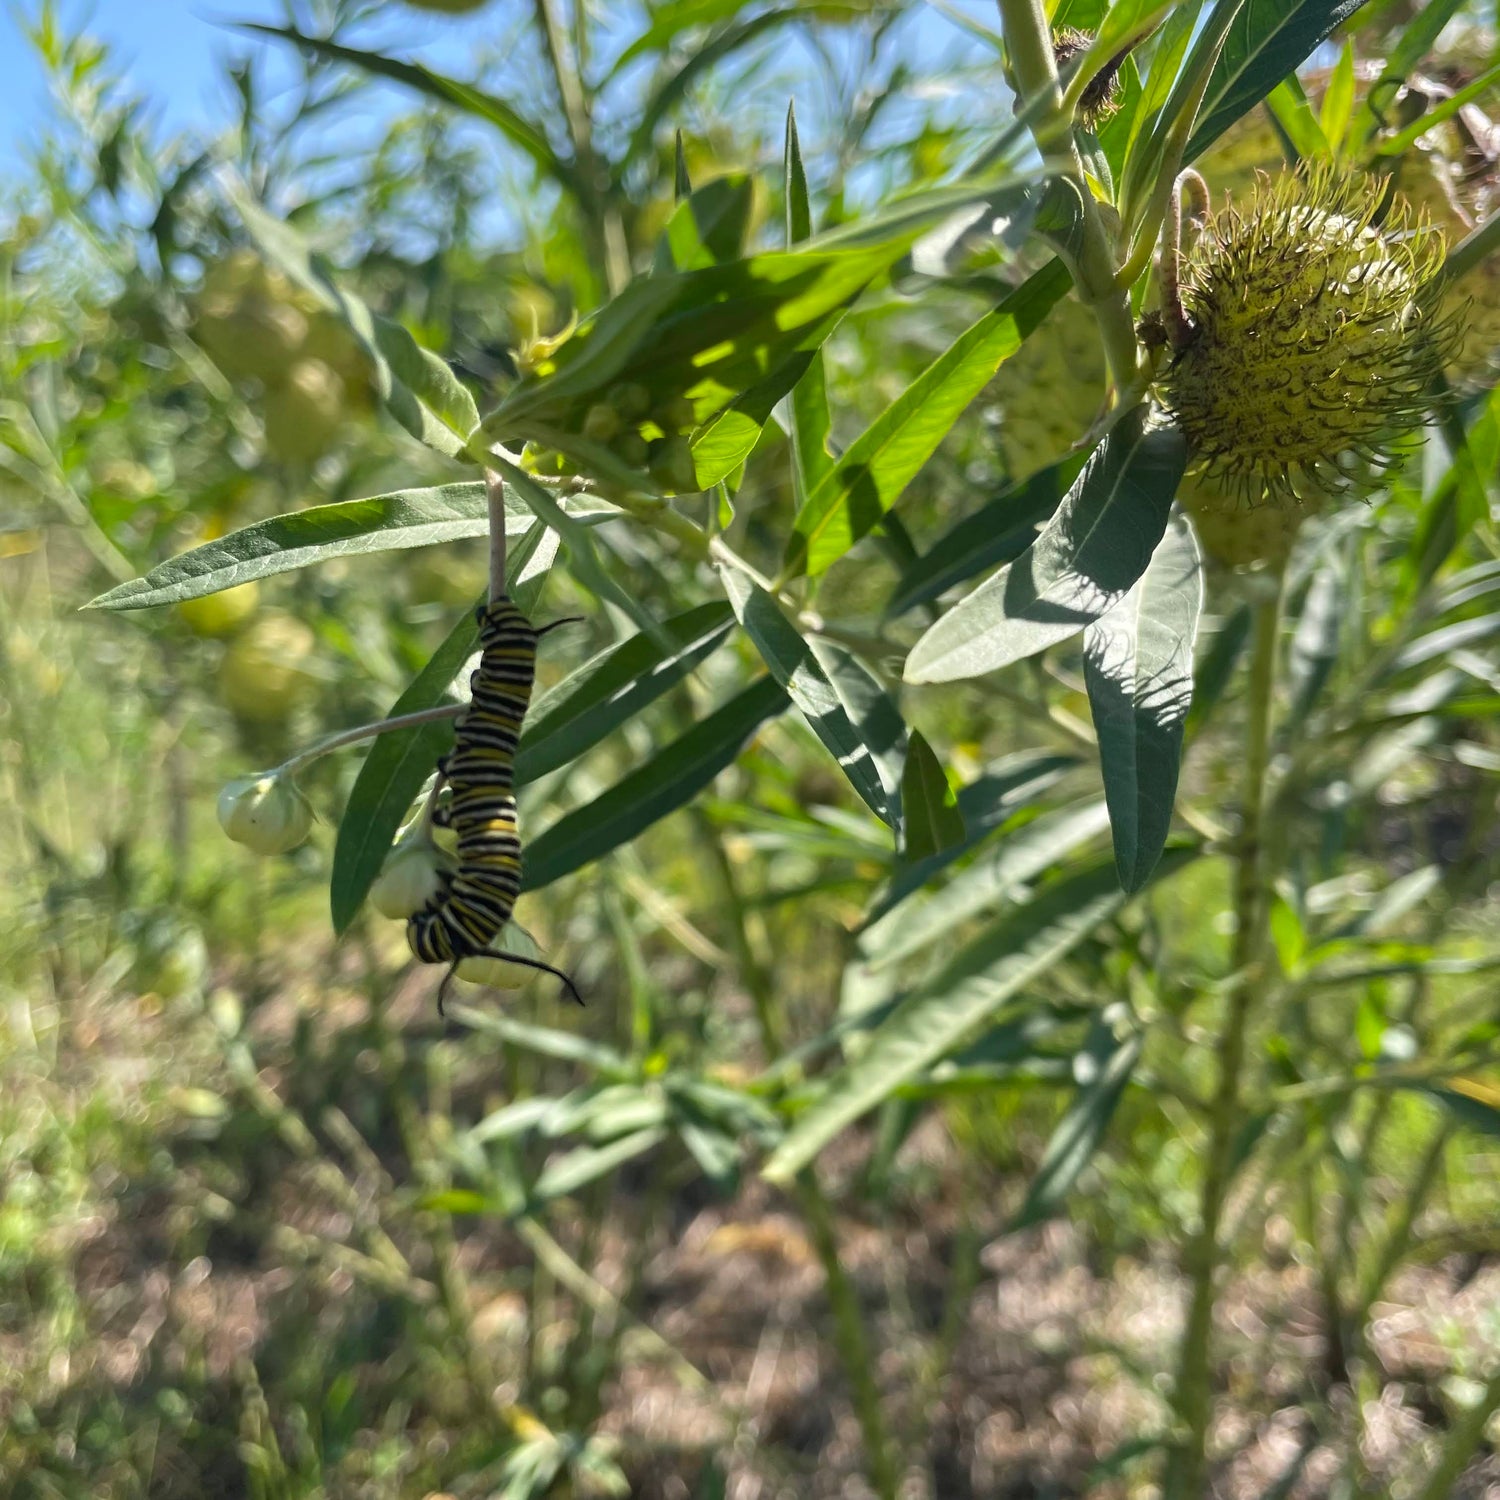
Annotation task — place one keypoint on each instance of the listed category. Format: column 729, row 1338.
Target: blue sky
column 173, row 51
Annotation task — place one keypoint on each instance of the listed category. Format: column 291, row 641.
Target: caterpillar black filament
column 475, row 900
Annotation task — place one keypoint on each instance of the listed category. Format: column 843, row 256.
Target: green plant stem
column 849, row 1336
column 1187, row 1460
column 1028, row 41
column 367, row 731
column 1464, row 1438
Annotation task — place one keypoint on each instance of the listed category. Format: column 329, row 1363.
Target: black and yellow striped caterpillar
column 474, row 902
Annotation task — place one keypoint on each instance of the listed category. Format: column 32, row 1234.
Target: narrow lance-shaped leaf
column 495, row 111
column 1138, row 667
column 1103, row 1069
column 997, row 532
column 1001, row 874
column 671, row 778
column 811, row 421
column 886, row 457
column 399, row 762
column 417, row 387
column 347, row 528
column 967, row 992
column 930, row 816
column 583, row 562
column 1003, row 789
column 616, row 685
column 1086, row 559
column 1267, row 40
column 843, row 705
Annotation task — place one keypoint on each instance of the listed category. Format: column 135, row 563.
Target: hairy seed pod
column 1313, row 341
column 1101, row 98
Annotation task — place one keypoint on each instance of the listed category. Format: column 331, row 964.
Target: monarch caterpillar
column 474, row 901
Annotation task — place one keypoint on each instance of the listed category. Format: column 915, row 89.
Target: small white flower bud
column 266, row 813
column 410, row 877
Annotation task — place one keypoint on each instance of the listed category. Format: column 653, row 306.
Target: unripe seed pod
column 672, row 465
column 674, row 415
column 1238, row 532
column 632, row 449
column 631, row 400
column 495, row 972
column 265, row 813
column 1314, row 340
column 602, row 423
column 414, row 872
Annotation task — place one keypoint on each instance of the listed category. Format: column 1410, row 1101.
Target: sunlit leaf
column 1086, row 559
column 870, row 475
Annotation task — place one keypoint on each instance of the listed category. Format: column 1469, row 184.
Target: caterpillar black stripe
column 475, row 900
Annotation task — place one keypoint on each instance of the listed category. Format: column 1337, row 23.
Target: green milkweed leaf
column 1086, row 559
column 930, row 818
column 983, row 977
column 347, row 528
column 415, row 385
column 717, row 336
column 520, row 131
column 708, row 227
column 843, row 705
column 996, row 533
column 1102, row 1068
column 671, row 778
column 1138, row 668
column 399, row 762
column 615, row 686
column 1266, row 42
column 1001, row 873
column 991, row 799
column 585, row 1164
column 864, row 483
column 811, row 421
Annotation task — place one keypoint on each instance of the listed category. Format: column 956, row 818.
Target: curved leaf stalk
column 367, row 731
column 1027, row 37
column 1192, row 1395
column 1148, row 222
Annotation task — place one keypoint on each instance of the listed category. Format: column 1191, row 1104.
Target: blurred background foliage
column 269, row 1227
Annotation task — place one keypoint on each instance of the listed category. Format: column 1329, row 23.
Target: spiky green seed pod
column 1047, row 394
column 1314, row 340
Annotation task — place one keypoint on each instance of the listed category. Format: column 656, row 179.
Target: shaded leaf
column 668, row 780
column 1103, row 1069
column 1138, row 668
column 996, row 533
column 988, row 801
column 1266, row 42
column 930, row 819
column 981, row 978
column 1086, row 559
column 613, row 687
column 844, row 706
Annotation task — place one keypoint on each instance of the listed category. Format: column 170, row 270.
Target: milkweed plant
column 1139, row 653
